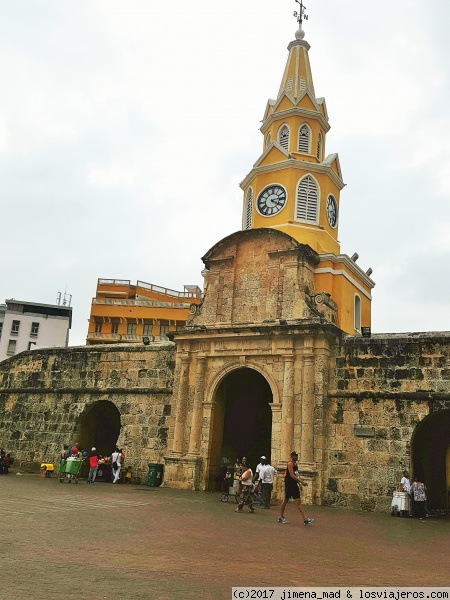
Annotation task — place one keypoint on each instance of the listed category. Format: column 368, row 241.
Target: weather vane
column 300, row 15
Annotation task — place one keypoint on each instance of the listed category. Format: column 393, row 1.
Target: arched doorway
column 430, row 455
column 100, row 427
column 242, row 419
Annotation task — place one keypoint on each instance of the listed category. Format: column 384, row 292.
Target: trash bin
column 155, row 474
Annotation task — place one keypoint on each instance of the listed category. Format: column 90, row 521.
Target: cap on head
column 263, row 458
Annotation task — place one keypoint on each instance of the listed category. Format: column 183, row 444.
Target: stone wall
column 384, row 387
column 44, row 395
column 379, row 393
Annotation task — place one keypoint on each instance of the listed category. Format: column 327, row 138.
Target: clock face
column 271, row 200
column 332, row 211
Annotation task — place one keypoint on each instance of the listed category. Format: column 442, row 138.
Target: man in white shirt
column 267, row 474
column 405, row 482
column 116, row 463
column 257, row 479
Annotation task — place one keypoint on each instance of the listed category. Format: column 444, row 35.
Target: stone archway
column 242, row 419
column 430, row 455
column 99, row 426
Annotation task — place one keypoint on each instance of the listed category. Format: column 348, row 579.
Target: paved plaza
column 66, row 541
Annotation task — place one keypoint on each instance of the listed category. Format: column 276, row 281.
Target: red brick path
column 61, row 541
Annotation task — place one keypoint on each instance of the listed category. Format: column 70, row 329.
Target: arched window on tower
column 319, row 147
column 304, row 135
column 268, row 139
column 307, row 208
column 283, row 137
column 357, row 313
column 248, row 221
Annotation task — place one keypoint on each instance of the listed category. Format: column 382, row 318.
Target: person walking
column 93, row 466
column 266, row 477
column 116, row 463
column 246, row 480
column 292, row 489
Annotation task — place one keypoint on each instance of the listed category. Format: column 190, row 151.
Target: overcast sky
column 127, row 125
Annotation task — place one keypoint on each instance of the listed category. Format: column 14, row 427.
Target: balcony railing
column 126, row 337
column 144, row 303
column 114, row 282
column 168, row 292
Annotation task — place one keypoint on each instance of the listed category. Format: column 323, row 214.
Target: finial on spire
column 300, row 15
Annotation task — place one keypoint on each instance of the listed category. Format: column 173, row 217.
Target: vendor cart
column 69, row 470
column 401, row 504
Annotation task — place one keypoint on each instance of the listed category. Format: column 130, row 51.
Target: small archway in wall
column 100, row 427
column 430, row 457
column 242, row 420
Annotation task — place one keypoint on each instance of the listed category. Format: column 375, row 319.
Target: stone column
column 287, row 408
column 182, row 398
column 197, row 411
column 307, row 431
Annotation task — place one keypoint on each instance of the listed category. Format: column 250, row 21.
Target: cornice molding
column 299, row 165
column 350, row 264
column 295, row 111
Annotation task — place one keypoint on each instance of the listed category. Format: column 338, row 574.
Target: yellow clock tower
column 295, row 187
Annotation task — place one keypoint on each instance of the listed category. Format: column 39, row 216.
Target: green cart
column 69, row 470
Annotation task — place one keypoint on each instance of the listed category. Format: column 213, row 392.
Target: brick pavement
column 61, row 541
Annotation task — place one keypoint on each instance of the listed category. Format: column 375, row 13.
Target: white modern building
column 30, row 325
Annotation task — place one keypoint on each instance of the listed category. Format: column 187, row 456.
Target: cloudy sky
column 127, row 125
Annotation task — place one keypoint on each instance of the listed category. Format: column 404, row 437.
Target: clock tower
column 295, row 187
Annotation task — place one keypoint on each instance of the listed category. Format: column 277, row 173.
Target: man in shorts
column 292, row 489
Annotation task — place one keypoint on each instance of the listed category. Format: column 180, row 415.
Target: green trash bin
column 155, row 474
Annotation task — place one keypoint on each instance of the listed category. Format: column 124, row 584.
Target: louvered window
column 302, row 84
column 249, row 210
column 283, row 137
column 268, row 140
column 303, row 138
column 289, row 85
column 319, row 147
column 307, row 200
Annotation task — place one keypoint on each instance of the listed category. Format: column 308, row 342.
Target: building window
column 283, row 137
column 98, row 326
column 131, row 328
column 304, row 135
column 34, row 330
column 115, row 327
column 289, row 84
column 307, row 208
column 147, row 329
column 31, row 345
column 357, row 313
column 180, row 325
column 1, row 327
column 11, row 347
column 249, row 209
column 15, row 328
column 319, row 147
column 302, row 84
column 163, row 328
column 268, row 139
